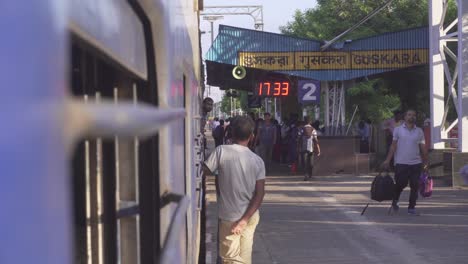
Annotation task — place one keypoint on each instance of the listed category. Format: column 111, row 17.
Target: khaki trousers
column 237, row 248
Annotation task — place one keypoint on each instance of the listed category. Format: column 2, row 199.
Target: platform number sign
column 308, row 91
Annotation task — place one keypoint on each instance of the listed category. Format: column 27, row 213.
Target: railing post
column 436, row 73
column 463, row 76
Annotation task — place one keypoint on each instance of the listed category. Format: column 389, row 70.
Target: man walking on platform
column 240, row 188
column 408, row 146
column 218, row 133
column 309, row 146
column 266, row 138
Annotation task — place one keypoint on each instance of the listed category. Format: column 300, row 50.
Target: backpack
column 425, row 185
column 382, row 188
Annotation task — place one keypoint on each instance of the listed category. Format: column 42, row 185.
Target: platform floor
column 319, row 221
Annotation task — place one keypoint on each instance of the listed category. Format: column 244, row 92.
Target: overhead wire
column 362, row 21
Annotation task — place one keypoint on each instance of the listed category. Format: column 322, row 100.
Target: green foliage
column 243, row 103
column 332, row 17
column 374, row 100
column 379, row 97
column 226, row 103
column 239, row 102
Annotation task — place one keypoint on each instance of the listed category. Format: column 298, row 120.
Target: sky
column 276, row 13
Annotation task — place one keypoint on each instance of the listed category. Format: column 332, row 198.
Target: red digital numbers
column 277, row 89
column 285, row 88
column 273, row 89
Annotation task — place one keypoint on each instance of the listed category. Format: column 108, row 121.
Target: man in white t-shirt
column 309, row 146
column 240, row 186
column 410, row 152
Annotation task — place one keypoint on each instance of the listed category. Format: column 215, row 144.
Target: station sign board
column 334, row 60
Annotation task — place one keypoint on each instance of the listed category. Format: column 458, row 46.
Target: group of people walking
column 294, row 142
column 244, row 153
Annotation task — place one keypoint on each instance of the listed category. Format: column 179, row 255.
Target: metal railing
column 169, row 249
column 126, row 119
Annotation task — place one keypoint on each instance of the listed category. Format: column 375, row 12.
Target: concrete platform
column 319, row 221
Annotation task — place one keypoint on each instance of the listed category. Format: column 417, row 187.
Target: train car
column 102, row 147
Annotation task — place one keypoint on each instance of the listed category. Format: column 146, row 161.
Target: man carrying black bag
column 410, row 155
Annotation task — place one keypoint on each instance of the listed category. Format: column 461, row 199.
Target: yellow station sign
column 322, row 60
column 267, row 60
column 334, row 60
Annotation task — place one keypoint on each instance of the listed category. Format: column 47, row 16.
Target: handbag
column 426, row 184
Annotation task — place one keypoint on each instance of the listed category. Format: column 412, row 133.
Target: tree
column 238, row 102
column 332, row 17
column 374, row 99
column 227, row 103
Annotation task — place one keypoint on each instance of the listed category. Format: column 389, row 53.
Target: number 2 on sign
column 308, row 96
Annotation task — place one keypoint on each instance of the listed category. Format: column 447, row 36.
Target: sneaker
column 305, row 178
column 413, row 212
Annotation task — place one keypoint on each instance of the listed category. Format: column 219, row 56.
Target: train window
column 93, row 170
column 115, row 182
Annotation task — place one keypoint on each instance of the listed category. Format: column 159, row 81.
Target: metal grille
column 122, row 122
column 335, row 108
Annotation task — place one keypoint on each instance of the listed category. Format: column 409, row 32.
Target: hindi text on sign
column 334, row 60
column 267, row 60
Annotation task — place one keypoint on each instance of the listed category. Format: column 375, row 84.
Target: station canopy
column 265, row 53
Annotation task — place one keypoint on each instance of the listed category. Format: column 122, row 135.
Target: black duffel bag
column 382, row 189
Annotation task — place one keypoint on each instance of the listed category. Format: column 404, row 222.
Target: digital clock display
column 275, row 88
